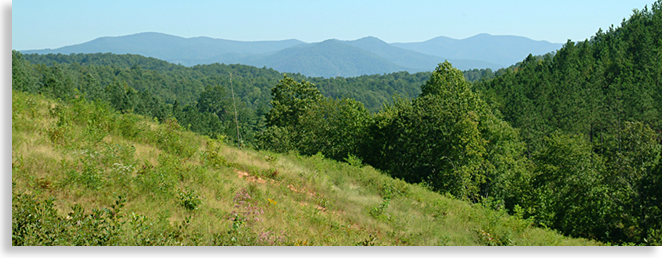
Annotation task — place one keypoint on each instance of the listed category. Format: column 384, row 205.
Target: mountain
column 187, row 51
column 502, row 50
column 330, row 58
column 415, row 61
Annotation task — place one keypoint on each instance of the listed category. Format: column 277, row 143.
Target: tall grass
column 83, row 174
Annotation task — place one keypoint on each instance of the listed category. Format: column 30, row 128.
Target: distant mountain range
column 328, row 58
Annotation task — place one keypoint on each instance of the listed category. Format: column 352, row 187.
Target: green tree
column 448, row 138
column 631, row 162
column 290, row 100
column 569, row 195
column 91, row 88
column 336, row 128
column 21, row 78
column 57, row 84
column 215, row 100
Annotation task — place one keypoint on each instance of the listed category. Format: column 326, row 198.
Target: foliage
column 589, row 115
column 568, row 190
column 189, row 199
column 568, row 141
column 66, row 194
column 336, row 128
column 447, row 137
column 290, row 100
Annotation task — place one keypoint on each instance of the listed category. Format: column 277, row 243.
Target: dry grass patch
column 147, row 152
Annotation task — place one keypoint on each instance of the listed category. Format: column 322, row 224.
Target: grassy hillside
column 83, row 174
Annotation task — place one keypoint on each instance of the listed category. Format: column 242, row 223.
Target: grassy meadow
column 83, row 174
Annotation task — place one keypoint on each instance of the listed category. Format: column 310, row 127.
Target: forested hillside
column 591, row 114
column 175, row 82
column 156, row 88
column 573, row 139
column 160, row 89
column 569, row 141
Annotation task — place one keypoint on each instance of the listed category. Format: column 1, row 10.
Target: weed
column 59, row 135
column 94, row 132
column 189, row 199
column 270, row 173
column 129, row 127
column 172, row 139
column 302, row 243
column 245, row 209
column 370, row 241
column 393, row 188
column 324, row 203
column 88, row 176
column 271, row 158
column 354, row 161
column 378, row 211
column 486, row 238
column 121, row 174
column 270, row 238
column 44, row 183
column 438, row 209
column 36, row 222
column 212, row 157
column 118, row 153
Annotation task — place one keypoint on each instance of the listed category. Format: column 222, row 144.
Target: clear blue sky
column 38, row 24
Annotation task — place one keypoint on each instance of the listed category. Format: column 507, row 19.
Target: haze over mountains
column 328, row 58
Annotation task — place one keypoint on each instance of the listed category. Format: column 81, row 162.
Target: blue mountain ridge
column 329, row 58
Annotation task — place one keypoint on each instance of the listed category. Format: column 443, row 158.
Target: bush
column 189, row 199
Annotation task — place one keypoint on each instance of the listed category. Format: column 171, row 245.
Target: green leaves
column 302, row 119
column 447, row 137
column 445, row 81
column 290, row 100
column 337, row 128
column 568, row 186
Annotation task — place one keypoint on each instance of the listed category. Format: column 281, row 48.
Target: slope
column 127, row 180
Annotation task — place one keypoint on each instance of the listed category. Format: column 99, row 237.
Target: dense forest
column 199, row 96
column 570, row 140
column 156, row 88
column 590, row 118
column 573, row 138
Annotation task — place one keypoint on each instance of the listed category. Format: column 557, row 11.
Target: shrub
column 189, row 199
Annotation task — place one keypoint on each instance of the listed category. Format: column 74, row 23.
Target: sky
column 39, row 24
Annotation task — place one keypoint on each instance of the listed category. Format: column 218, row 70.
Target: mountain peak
column 369, row 40
column 481, row 35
